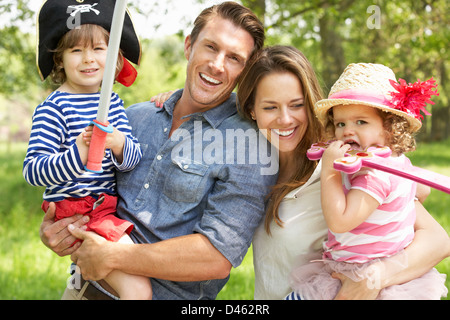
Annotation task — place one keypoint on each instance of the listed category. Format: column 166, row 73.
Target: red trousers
column 101, row 212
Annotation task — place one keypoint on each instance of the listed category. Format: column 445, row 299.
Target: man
column 194, row 209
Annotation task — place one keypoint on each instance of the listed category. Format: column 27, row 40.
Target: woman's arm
column 431, row 245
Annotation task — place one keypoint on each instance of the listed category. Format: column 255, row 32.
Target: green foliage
column 241, row 283
column 162, row 69
column 17, row 58
column 411, row 37
column 17, row 71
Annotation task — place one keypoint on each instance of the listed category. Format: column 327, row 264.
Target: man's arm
column 186, row 258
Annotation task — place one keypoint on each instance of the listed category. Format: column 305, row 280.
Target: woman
column 278, row 90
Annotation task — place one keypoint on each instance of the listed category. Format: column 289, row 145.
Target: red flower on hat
column 412, row 98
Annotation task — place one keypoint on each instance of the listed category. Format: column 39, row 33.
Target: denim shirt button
column 158, row 157
column 165, row 129
column 146, row 186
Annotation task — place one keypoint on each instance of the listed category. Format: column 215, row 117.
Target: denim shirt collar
column 214, row 116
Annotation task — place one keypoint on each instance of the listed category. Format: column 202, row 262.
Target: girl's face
column 358, row 125
column 84, row 66
column 279, row 108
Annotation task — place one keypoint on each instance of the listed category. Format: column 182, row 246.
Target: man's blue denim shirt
column 203, row 179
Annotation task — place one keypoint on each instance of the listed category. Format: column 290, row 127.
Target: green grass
column 28, row 270
column 241, row 283
column 436, row 157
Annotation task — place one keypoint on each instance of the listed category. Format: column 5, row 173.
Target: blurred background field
column 28, row 270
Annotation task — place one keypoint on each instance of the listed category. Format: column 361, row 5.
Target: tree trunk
column 332, row 50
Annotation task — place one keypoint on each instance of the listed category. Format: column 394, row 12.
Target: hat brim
column 52, row 25
column 323, row 106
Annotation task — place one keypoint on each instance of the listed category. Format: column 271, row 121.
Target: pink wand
column 101, row 124
column 378, row 158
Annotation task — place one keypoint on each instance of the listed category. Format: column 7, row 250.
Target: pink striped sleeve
column 372, row 183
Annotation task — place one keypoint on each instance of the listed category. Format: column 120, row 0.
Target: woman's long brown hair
column 284, row 59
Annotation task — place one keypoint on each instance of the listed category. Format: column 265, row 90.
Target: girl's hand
column 335, row 150
column 160, row 98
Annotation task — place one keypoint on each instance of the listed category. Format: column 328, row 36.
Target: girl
column 370, row 214
column 58, row 146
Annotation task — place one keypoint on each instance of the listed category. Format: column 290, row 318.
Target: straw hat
column 375, row 85
column 57, row 17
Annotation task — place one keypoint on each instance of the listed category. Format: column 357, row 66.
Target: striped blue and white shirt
column 52, row 158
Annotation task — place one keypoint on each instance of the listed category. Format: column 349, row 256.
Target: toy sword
column 379, row 158
column 101, row 124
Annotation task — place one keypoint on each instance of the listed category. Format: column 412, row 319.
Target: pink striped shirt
column 389, row 229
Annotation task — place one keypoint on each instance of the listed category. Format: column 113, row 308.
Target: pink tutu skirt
column 314, row 282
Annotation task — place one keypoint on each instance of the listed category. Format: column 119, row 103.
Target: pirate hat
column 57, row 17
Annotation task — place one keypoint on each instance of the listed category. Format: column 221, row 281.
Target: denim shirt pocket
column 184, row 181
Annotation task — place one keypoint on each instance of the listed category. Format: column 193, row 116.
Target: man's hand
column 350, row 290
column 91, row 256
column 55, row 234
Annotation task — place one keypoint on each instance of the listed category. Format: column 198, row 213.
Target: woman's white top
column 297, row 242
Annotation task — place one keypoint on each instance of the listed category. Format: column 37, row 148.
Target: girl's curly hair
column 399, row 136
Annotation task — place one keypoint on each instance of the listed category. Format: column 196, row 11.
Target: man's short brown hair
column 238, row 15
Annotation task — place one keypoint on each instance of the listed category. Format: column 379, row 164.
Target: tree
column 409, row 36
column 17, row 50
